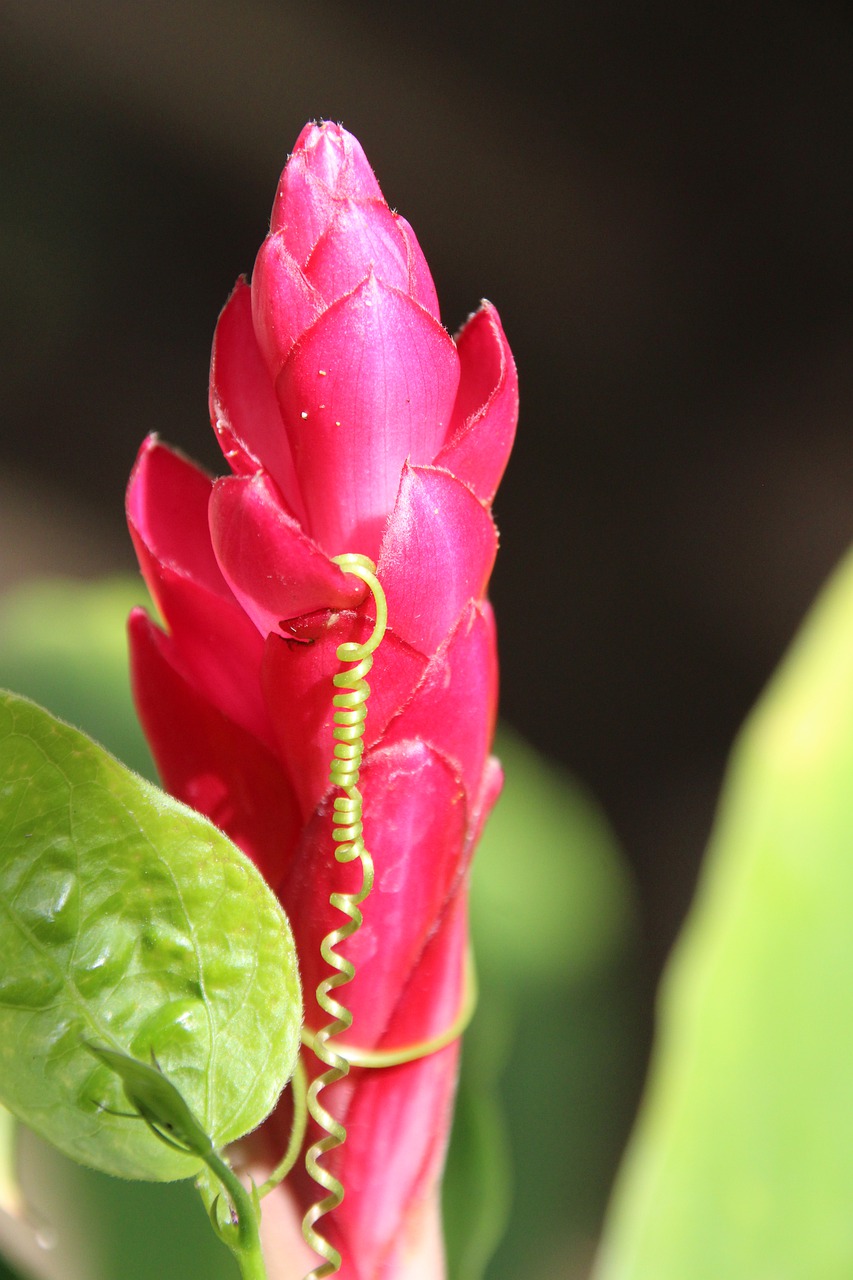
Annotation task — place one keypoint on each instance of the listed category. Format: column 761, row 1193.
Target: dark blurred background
column 656, row 196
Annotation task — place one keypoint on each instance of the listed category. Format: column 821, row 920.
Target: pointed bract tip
column 325, row 152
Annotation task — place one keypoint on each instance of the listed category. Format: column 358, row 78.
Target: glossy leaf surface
column 128, row 921
column 742, row 1165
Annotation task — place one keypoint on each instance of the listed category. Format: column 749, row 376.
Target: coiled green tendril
column 350, row 715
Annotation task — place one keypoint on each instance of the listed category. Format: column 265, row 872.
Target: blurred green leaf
column 130, row 922
column 551, row 899
column 105, row 1228
column 475, row 1220
column 63, row 644
column 742, row 1164
column 553, row 1057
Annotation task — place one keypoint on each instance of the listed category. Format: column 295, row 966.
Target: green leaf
column 476, row 1191
column 556, row 1043
column 129, row 922
column 551, row 897
column 63, row 643
column 742, row 1165
column 160, row 1104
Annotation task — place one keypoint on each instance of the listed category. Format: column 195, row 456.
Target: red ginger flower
column 351, row 422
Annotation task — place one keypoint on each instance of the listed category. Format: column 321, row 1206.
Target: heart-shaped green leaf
column 128, row 921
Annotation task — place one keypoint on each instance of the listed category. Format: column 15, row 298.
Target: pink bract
column 351, row 421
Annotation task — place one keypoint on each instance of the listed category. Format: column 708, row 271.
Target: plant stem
column 251, row 1265
column 246, row 1244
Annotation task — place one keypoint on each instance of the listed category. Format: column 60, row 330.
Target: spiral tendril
column 398, row 1056
column 349, row 717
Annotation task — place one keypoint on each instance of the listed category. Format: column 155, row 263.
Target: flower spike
column 348, row 417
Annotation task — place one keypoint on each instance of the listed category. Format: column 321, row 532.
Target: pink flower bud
column 351, row 422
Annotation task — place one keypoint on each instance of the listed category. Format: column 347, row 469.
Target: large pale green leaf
column 742, row 1166
column 128, row 921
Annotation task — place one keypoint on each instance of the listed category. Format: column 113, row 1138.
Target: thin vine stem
column 299, row 1089
column 246, row 1245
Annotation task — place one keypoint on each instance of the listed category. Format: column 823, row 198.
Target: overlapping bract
column 351, row 422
